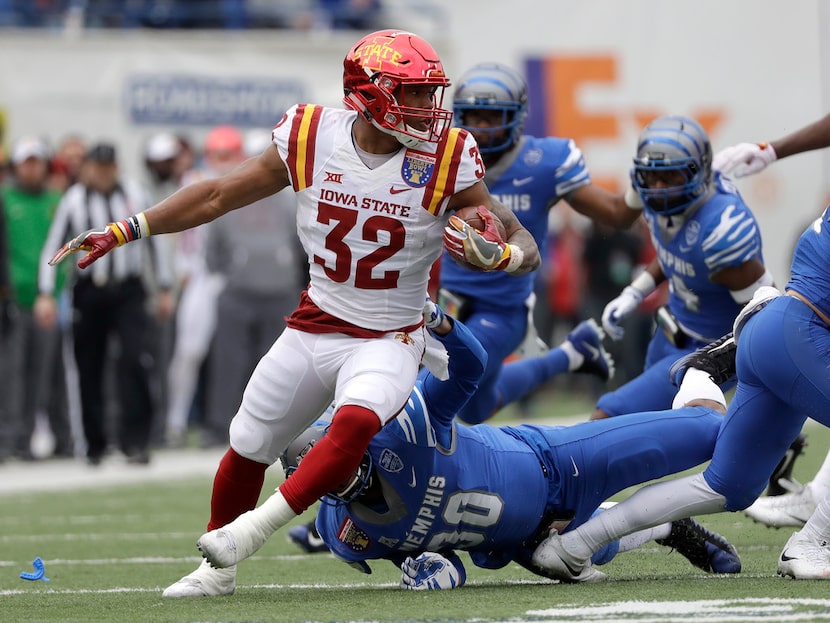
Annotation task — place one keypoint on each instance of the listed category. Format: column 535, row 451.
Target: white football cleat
column 804, row 558
column 554, row 562
column 204, row 582
column 787, row 510
column 233, row 542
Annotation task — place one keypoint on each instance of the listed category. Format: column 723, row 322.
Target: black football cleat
column 782, row 480
column 716, row 359
column 703, row 548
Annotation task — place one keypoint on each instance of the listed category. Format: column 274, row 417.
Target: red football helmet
column 380, row 63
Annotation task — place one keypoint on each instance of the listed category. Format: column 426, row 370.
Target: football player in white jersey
column 375, row 187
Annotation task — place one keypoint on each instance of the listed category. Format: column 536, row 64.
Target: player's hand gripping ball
column 475, row 238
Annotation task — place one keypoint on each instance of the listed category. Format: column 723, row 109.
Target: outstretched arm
column 748, row 158
column 810, row 137
column 467, row 360
column 603, row 206
column 192, row 205
column 206, row 200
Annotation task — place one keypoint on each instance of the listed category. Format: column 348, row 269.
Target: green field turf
column 109, row 552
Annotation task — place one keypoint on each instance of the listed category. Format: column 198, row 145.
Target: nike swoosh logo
column 785, row 558
column 413, row 482
column 395, row 191
column 725, row 346
column 521, row 181
column 574, row 572
column 575, row 474
column 593, row 351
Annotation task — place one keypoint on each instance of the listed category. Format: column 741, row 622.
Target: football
column 470, row 216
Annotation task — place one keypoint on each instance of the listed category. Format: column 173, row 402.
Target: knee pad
column 252, row 439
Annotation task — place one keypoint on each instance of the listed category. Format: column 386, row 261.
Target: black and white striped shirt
column 82, row 208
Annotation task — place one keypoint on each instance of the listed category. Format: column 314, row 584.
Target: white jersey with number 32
column 371, row 235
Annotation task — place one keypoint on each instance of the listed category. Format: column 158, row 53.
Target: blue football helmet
column 351, row 487
column 490, row 86
column 677, row 150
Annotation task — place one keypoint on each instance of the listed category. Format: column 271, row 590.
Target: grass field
column 109, row 552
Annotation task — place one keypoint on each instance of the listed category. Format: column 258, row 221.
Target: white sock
column 272, row 514
column 575, row 358
column 636, row 539
column 653, row 505
column 818, row 525
column 696, row 385
column 820, row 485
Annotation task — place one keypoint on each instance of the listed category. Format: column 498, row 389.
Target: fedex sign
column 555, row 109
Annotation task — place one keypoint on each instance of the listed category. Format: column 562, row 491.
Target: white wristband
column 143, row 227
column 644, row 283
column 632, row 199
column 772, row 156
column 517, row 256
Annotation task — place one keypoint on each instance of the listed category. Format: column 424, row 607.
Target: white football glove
column 628, row 300
column 433, row 314
column 744, row 158
column 432, row 572
column 759, row 300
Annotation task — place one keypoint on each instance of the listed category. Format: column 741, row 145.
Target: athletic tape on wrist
column 517, row 256
column 644, row 283
column 142, row 228
column 769, row 148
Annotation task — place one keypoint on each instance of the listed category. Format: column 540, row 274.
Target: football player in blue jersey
column 529, row 175
column 787, row 503
column 708, row 250
column 428, row 486
column 782, row 362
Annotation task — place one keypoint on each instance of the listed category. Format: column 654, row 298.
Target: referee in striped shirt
column 109, row 301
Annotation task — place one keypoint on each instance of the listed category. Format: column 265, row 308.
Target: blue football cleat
column 307, row 538
column 586, row 338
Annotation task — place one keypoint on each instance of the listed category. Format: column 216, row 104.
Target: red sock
column 236, row 488
column 332, row 459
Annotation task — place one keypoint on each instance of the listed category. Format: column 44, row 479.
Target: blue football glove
column 432, row 572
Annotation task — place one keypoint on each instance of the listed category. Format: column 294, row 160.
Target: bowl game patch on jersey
column 352, row 536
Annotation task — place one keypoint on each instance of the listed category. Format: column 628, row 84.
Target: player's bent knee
column 739, row 500
column 252, row 439
column 735, row 497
